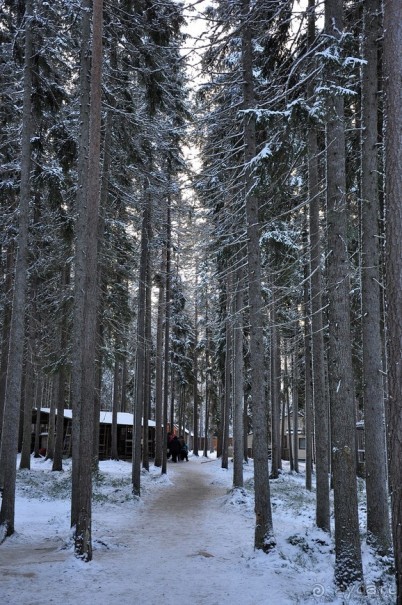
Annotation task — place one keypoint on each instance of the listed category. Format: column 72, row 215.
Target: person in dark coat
column 183, row 449
column 175, row 447
column 169, row 439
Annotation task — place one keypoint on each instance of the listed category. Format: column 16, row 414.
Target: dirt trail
column 181, row 504
column 16, row 555
column 179, row 513
column 191, row 555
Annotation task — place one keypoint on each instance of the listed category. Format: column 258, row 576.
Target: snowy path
column 186, row 530
column 186, row 542
column 180, row 546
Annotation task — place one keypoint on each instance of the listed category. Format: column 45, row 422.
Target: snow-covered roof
column 123, row 418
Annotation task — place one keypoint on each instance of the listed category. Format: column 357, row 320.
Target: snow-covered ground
column 189, row 539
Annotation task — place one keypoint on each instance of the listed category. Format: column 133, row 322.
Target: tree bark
column 207, row 383
column 195, row 368
column 276, row 448
column 147, row 369
column 114, row 455
column 139, row 410
column 321, row 406
column 295, row 401
column 348, row 563
column 159, row 364
column 286, row 412
column 166, row 355
column 88, row 340
column 308, row 390
column 61, row 376
column 79, row 258
column 227, row 400
column 238, row 381
column 378, row 527
column 28, row 394
column 263, row 536
column 9, row 441
column 393, row 188
column 101, row 278
column 51, row 428
column 8, row 287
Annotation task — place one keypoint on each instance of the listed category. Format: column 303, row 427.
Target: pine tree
column 348, row 565
column 263, row 526
column 238, row 377
column 374, row 414
column 393, row 187
column 143, row 284
column 87, row 247
column 321, row 407
column 9, row 441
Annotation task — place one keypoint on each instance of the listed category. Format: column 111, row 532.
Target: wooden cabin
column 124, row 433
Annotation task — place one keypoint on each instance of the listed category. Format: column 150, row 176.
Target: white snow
column 189, row 539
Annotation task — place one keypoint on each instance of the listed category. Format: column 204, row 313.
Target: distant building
column 301, row 437
column 124, row 433
column 301, row 445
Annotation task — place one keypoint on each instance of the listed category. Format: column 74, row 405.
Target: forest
column 201, row 225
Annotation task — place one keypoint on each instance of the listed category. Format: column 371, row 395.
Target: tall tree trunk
column 61, row 378
column 114, row 455
column 159, row 365
column 101, row 278
column 37, row 428
column 308, row 391
column 393, row 187
column 166, row 355
column 238, row 381
column 83, row 527
column 29, row 368
column 378, row 527
column 275, row 394
column 79, row 258
column 172, row 400
column 295, row 401
column 35, row 397
column 287, row 413
column 147, row 369
column 180, row 422
column 207, row 375
column 123, row 403
column 195, row 367
column 5, row 337
column 227, row 400
column 321, row 406
column 263, row 537
column 139, row 410
column 28, row 393
column 9, row 441
column 221, row 403
column 51, row 427
column 348, row 563
column 246, row 430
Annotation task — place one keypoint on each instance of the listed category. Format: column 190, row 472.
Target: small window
column 302, row 443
